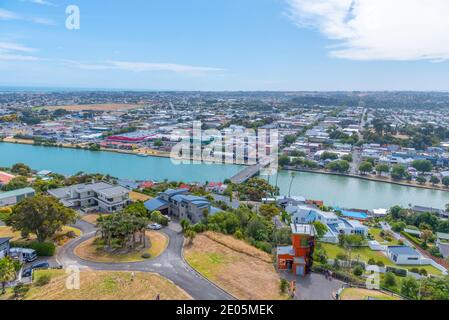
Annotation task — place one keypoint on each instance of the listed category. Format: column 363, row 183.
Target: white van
column 27, row 255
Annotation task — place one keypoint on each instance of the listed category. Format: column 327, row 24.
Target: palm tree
column 291, row 182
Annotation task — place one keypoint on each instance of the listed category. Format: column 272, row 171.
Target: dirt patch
column 7, row 232
column 137, row 196
column 90, row 218
column 88, row 250
column 242, row 273
column 107, row 285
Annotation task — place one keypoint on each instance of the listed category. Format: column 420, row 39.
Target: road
column 170, row 264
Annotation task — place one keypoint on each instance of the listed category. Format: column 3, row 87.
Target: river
column 333, row 190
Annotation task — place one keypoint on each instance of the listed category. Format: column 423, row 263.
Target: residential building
column 404, row 255
column 11, row 198
column 4, row 247
column 443, row 243
column 182, row 205
column 298, row 257
column 97, row 196
column 5, row 178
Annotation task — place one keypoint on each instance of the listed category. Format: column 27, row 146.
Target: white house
column 404, row 255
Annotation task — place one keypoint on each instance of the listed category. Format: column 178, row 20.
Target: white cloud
column 43, row 2
column 379, row 29
column 8, row 15
column 10, row 51
column 143, row 67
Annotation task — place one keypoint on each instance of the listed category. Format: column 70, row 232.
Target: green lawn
column 365, row 253
column 375, row 232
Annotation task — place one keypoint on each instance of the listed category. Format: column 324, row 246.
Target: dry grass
column 364, row 294
column 91, row 218
column 6, row 232
column 95, row 107
column 88, row 251
column 242, row 273
column 137, row 196
column 106, row 285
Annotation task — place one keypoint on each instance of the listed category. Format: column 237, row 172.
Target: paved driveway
column 314, row 286
column 170, row 264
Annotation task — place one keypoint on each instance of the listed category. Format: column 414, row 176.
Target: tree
column 382, row 168
column 269, row 210
column 410, row 288
column 365, row 167
column 398, row 172
column 289, row 139
column 347, row 157
column 284, row 160
column 445, row 181
column 40, row 215
column 21, row 169
column 341, row 166
column 158, row 143
column 421, row 180
column 185, row 224
column 7, row 272
column 320, row 228
column 190, row 234
column 18, row 182
column 434, row 180
column 426, row 235
column 389, row 279
column 328, row 155
column 422, row 165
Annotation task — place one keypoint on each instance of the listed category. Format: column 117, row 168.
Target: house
column 182, row 205
column 5, row 178
column 299, row 256
column 404, row 255
column 335, row 225
column 420, row 209
column 11, row 198
column 443, row 243
column 4, row 247
column 97, row 196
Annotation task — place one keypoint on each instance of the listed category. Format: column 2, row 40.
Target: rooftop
column 16, row 193
column 399, row 250
column 306, row 229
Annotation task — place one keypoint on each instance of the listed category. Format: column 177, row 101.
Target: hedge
column 411, row 238
column 43, row 249
column 397, row 271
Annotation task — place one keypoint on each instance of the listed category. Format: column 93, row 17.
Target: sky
column 320, row 45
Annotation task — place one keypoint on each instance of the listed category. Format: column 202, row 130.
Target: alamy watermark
column 73, row 20
column 241, row 146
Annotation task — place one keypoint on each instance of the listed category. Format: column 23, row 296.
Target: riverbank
column 140, row 151
column 370, row 178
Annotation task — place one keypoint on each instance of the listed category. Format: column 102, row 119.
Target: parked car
column 40, row 265
column 26, row 255
column 155, row 226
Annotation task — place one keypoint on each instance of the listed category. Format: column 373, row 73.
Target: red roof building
column 298, row 258
column 5, row 178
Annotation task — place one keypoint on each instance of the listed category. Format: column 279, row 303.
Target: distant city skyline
column 222, row 45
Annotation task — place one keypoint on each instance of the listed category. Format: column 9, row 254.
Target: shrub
column 283, row 285
column 239, row 234
column 43, row 249
column 371, row 262
column 146, row 255
column 389, row 279
column 423, row 272
column 397, row 271
column 358, row 271
column 20, row 291
column 342, row 256
column 199, row 227
column 43, row 280
column 380, row 264
column 414, row 270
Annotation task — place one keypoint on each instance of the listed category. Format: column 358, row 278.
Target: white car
column 154, row 226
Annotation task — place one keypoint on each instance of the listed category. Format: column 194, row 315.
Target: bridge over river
column 250, row 171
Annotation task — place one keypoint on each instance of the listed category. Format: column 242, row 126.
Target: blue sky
column 227, row 44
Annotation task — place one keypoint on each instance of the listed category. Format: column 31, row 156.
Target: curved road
column 170, row 264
